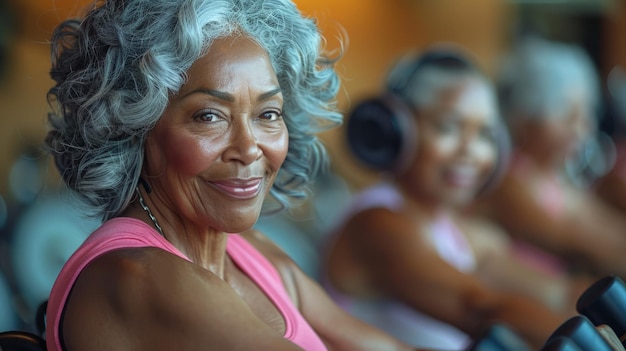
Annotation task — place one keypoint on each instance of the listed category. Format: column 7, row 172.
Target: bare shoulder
column 381, row 224
column 132, row 272
column 146, row 298
column 377, row 242
column 126, row 284
column 386, row 233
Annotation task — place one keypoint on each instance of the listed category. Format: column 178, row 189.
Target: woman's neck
column 202, row 246
column 428, row 208
column 537, row 164
column 542, row 160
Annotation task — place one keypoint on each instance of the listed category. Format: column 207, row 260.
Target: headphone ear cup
column 381, row 132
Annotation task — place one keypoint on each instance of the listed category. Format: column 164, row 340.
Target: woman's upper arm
column 522, row 215
column 146, row 299
column 585, row 230
column 401, row 263
column 324, row 316
column 406, row 267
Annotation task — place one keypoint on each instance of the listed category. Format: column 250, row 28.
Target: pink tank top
column 551, row 197
column 127, row 232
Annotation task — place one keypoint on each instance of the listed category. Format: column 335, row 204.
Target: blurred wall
column 615, row 38
column 379, row 31
column 376, row 33
column 25, row 82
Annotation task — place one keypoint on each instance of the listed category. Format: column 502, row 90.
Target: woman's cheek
column 187, row 154
column 283, row 148
column 487, row 154
column 275, row 146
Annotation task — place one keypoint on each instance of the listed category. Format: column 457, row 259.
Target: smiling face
column 456, row 147
column 214, row 154
column 553, row 139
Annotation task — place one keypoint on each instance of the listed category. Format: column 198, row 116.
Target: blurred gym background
column 39, row 228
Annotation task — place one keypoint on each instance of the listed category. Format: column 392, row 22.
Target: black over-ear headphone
column 381, row 130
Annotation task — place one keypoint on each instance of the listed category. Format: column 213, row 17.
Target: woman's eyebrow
column 229, row 97
column 269, row 94
column 216, row 93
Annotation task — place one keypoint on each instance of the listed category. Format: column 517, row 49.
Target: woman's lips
column 240, row 188
column 462, row 177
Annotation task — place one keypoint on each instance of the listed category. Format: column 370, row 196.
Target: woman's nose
column 243, row 145
column 475, row 147
column 582, row 127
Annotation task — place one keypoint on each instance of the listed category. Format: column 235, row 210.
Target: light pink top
column 395, row 317
column 129, row 232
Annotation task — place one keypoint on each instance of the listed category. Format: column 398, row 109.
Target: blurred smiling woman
column 404, row 257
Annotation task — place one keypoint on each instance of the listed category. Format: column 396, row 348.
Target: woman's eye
column 488, row 134
column 271, row 115
column 206, row 116
column 446, row 126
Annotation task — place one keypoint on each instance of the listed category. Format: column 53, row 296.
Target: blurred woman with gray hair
column 550, row 98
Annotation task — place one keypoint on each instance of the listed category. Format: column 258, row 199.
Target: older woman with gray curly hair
column 550, row 98
column 178, row 123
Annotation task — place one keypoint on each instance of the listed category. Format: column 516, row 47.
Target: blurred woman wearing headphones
column 404, row 257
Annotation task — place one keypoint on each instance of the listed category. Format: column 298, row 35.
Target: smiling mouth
column 242, row 189
column 462, row 178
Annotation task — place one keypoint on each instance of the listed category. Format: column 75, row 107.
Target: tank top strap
column 452, row 245
column 265, row 275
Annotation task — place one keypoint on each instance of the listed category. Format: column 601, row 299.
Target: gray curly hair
column 536, row 78
column 116, row 68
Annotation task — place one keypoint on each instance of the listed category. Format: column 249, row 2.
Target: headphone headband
column 444, row 58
